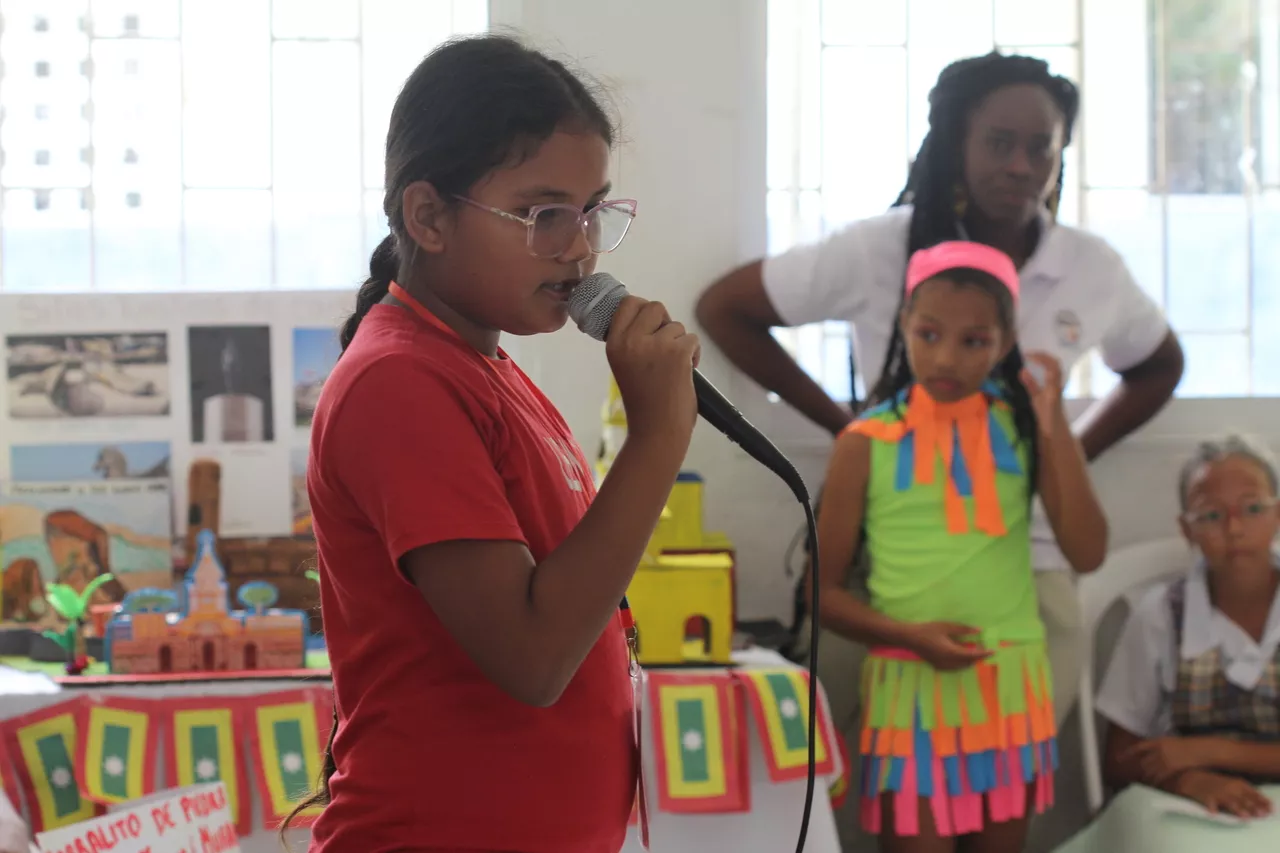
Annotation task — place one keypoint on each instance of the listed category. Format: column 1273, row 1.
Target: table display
column 724, row 752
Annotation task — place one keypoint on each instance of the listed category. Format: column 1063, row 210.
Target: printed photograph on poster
column 65, row 463
column 104, row 375
column 230, row 370
column 315, row 352
column 301, row 502
column 73, row 532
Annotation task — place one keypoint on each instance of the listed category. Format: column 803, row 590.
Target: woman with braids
column 958, row 734
column 989, row 170
column 472, row 581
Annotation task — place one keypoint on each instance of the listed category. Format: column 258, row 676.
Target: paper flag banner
column 780, row 704
column 42, row 746
column 700, row 740
column 202, row 745
column 116, row 749
column 287, row 735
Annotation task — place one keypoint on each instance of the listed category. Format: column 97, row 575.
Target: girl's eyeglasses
column 554, row 227
column 1250, row 511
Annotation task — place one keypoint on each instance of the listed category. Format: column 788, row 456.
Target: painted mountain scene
column 71, row 534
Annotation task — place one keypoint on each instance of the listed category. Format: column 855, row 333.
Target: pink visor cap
column 962, row 254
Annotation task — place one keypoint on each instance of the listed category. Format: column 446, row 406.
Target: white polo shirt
column 1076, row 294
column 1137, row 693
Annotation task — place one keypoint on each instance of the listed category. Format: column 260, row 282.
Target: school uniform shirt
column 1076, row 294
column 419, row 439
column 1138, row 691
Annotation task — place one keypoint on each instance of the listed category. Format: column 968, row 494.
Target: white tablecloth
column 771, row 826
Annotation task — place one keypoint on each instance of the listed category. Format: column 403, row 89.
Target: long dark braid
column 935, row 176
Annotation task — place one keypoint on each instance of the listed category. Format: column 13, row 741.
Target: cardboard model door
column 234, row 417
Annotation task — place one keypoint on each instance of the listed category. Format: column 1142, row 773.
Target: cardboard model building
column 682, row 594
column 157, row 632
column 282, row 561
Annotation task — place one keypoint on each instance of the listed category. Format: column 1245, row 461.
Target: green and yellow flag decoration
column 117, row 748
column 202, row 744
column 780, row 703
column 42, row 746
column 699, row 731
column 287, row 734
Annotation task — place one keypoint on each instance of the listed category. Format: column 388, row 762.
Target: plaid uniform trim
column 1205, row 702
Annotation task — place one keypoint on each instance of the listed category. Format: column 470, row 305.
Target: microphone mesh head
column 593, row 302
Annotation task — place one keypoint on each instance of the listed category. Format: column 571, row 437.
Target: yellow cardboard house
column 682, row 595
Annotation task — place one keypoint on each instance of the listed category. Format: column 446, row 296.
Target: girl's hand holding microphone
column 652, row 358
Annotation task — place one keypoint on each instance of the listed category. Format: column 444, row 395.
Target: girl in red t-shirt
column 470, row 576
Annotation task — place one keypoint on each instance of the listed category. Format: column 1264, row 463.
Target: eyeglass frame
column 531, row 220
column 1240, row 513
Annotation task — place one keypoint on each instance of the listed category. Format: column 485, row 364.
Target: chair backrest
column 1126, row 571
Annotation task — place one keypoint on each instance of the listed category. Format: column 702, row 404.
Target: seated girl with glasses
column 1193, row 691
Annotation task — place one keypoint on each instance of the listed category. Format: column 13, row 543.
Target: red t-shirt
column 420, row 439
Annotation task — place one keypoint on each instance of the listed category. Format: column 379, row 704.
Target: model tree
column 257, row 596
column 150, row 600
column 72, row 606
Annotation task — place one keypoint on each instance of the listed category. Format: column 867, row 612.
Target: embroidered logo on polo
column 1067, row 325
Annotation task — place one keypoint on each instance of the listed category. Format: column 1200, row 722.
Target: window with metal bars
column 168, row 145
column 1176, row 159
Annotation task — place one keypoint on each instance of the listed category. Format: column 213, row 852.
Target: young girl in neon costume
column 958, row 730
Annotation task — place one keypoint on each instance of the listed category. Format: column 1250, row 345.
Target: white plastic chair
column 1124, row 572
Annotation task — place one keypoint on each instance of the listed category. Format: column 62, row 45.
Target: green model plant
column 72, row 606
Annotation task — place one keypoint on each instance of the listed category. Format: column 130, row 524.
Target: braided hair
column 936, row 172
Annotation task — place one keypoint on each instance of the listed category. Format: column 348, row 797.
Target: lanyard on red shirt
column 624, row 607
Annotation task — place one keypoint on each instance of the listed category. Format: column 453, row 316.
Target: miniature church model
column 154, row 632
column 682, row 595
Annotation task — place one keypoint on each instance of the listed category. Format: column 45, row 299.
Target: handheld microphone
column 592, row 306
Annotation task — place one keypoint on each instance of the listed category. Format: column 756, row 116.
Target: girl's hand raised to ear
column 652, row 358
column 1042, row 377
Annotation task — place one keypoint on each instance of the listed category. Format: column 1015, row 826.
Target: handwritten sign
column 188, row 820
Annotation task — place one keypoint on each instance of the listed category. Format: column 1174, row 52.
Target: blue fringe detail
column 960, row 471
column 1001, row 449
column 906, row 463
column 877, row 409
column 951, row 769
column 873, row 774
column 924, row 760
column 980, row 772
column 894, row 781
